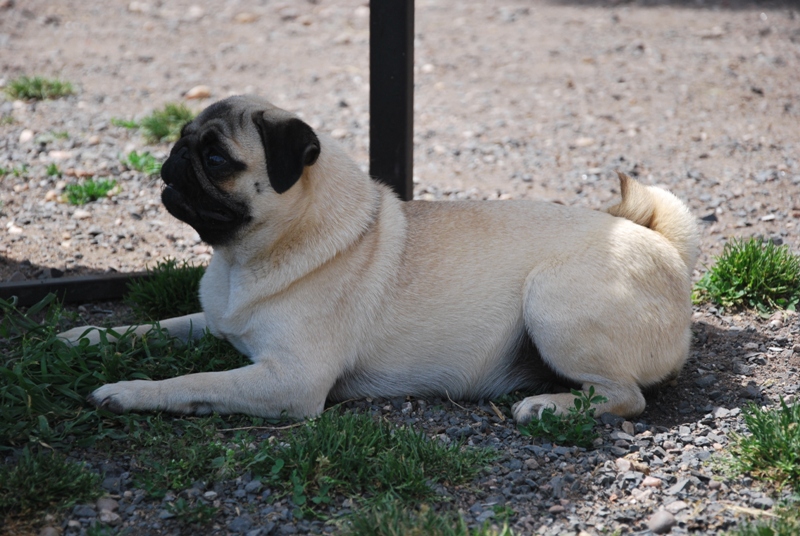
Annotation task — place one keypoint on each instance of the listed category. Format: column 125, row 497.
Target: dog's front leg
column 261, row 389
column 182, row 327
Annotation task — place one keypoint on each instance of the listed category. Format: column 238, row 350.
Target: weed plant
column 171, row 290
column 772, row 450
column 43, row 480
column 143, row 162
column 38, row 88
column 577, row 427
column 754, row 274
column 392, row 519
column 166, row 124
column 88, row 191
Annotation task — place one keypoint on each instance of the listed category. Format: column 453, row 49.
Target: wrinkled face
column 232, row 142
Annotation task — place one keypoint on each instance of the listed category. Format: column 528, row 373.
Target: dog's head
column 234, row 152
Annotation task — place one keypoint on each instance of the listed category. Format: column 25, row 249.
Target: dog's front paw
column 121, row 397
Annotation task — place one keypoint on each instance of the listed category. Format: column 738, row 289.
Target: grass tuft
column 193, row 514
column 172, row 290
column 787, row 523
column 143, row 162
column 754, row 274
column 392, row 519
column 38, row 88
column 575, row 428
column 166, row 124
column 88, row 191
column 44, row 480
column 356, row 456
column 772, row 450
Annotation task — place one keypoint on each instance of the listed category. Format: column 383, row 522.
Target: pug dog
column 336, row 289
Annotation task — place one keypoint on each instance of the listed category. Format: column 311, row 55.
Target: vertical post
column 391, row 99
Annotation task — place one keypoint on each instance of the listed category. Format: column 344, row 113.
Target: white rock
column 245, row 17
column 81, row 214
column 195, row 13
column 59, row 155
column 14, row 230
column 139, row 7
column 25, row 136
column 338, row 133
column 624, row 465
column 110, row 518
column 651, row 482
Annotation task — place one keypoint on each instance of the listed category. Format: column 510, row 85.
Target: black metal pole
column 391, row 99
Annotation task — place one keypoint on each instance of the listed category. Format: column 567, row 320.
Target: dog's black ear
column 289, row 146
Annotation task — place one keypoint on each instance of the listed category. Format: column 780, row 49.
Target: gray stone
column 677, row 487
column 253, row 486
column 84, row 510
column 241, row 524
column 764, row 503
column 661, row 522
column 484, row 516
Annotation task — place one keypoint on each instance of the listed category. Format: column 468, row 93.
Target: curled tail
column 662, row 212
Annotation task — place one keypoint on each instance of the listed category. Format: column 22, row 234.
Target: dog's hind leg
column 608, row 324
column 624, row 400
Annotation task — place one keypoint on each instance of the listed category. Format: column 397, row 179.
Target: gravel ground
column 531, row 99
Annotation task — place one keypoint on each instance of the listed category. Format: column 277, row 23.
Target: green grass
column 772, row 450
column 88, row 191
column 395, row 520
column 787, row 523
column 165, row 124
column 18, row 171
column 124, row 123
column 171, row 291
column 575, row 428
column 43, row 480
column 178, row 451
column 53, row 171
column 44, row 382
column 43, row 385
column 359, row 457
column 193, row 514
column 38, row 88
column 752, row 274
column 143, row 162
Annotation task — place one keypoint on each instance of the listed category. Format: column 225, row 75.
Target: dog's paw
column 121, row 397
column 533, row 406
column 74, row 336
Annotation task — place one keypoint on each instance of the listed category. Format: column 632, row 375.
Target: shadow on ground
column 718, row 373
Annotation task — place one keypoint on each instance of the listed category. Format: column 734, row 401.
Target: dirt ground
column 524, row 99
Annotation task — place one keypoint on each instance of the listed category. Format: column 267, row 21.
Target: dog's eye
column 215, row 160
